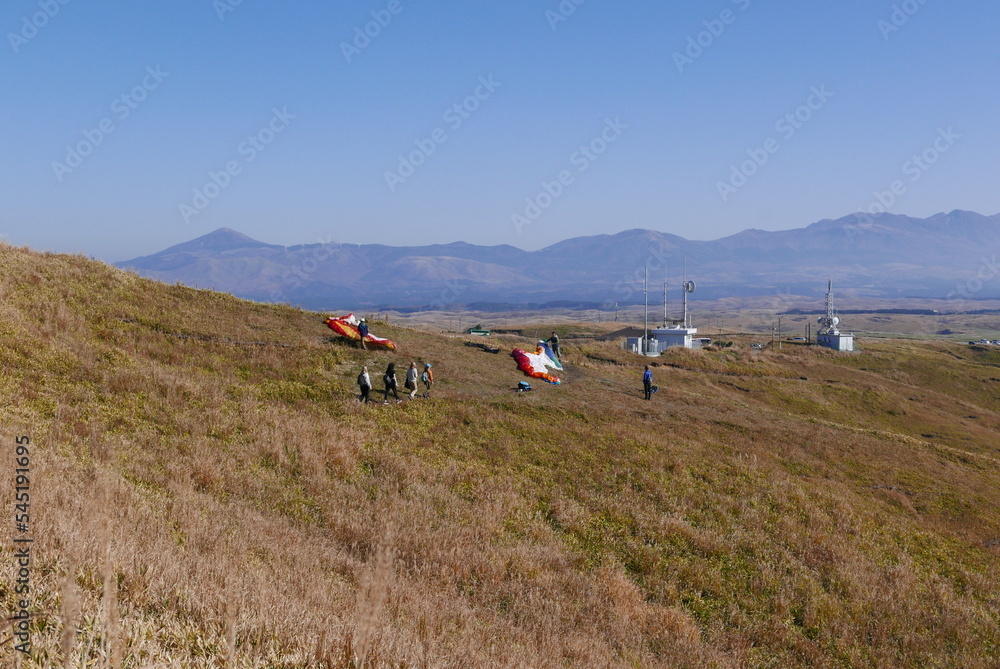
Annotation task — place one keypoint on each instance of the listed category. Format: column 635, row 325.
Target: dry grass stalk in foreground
column 70, row 617
column 373, row 599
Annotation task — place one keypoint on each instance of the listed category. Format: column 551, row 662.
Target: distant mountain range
column 883, row 255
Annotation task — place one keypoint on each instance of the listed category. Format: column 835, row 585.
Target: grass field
column 207, row 492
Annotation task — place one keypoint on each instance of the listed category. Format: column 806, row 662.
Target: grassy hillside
column 207, row 492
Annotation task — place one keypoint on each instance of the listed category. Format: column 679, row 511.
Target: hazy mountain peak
column 223, row 239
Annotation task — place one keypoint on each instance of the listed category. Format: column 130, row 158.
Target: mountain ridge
column 887, row 255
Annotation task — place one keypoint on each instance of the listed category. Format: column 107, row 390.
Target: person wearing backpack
column 389, row 379
column 365, row 384
column 647, row 383
column 428, row 378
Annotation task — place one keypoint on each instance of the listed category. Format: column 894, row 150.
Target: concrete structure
column 829, row 335
column 664, row 338
column 679, row 333
column 660, row 339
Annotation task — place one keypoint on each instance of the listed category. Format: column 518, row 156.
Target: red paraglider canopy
column 347, row 326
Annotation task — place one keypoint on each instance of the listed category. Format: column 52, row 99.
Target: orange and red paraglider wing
column 343, row 328
column 533, row 365
column 346, row 326
column 379, row 341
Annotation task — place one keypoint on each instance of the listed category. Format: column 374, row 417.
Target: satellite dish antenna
column 689, row 286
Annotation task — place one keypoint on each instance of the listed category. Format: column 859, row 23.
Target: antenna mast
column 664, row 301
column 829, row 299
column 686, row 287
column 829, row 322
column 685, row 292
column 645, row 311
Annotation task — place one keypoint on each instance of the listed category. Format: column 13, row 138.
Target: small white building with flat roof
column 660, row 339
column 664, row 338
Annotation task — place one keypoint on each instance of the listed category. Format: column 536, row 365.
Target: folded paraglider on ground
column 536, row 364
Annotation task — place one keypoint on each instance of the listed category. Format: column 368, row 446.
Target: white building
column 660, row 339
column 663, row 338
column 829, row 335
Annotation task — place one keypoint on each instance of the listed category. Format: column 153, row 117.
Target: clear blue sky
column 221, row 74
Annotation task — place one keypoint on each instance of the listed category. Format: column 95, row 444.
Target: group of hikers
column 390, row 384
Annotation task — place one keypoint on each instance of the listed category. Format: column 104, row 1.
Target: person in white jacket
column 411, row 380
column 365, row 384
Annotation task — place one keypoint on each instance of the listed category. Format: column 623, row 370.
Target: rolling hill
column 206, row 491
column 884, row 255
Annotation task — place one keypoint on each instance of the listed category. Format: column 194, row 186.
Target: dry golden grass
column 208, row 493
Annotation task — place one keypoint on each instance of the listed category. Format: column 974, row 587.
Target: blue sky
column 255, row 116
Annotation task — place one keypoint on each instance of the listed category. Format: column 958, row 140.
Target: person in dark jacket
column 554, row 343
column 363, row 331
column 365, row 384
column 647, row 383
column 389, row 379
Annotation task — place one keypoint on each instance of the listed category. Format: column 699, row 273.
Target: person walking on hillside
column 554, row 343
column 389, row 379
column 365, row 384
column 428, row 378
column 363, row 331
column 411, row 380
column 647, row 383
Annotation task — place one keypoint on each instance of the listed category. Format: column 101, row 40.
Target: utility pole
column 645, row 326
column 664, row 303
column 779, row 333
column 616, row 312
column 684, row 292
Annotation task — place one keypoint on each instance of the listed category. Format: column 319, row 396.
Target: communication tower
column 829, row 334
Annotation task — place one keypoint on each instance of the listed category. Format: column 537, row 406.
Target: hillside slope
column 205, row 487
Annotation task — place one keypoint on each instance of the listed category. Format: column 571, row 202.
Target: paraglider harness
column 523, row 387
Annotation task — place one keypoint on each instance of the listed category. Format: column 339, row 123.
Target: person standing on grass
column 411, row 380
column 554, row 343
column 428, row 378
column 363, row 331
column 389, row 379
column 365, row 384
column 647, row 383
